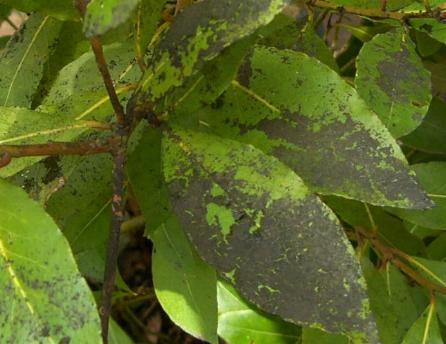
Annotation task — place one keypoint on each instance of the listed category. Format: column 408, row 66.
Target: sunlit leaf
column 43, row 295
column 241, row 323
column 23, row 59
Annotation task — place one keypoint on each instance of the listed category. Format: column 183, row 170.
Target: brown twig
column 7, row 152
column 370, row 12
column 98, row 51
column 119, row 159
column 396, row 257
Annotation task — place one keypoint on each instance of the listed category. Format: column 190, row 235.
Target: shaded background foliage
column 302, row 173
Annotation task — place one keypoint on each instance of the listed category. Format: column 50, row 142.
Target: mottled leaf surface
column 255, row 221
column 185, row 286
column 334, row 143
column 425, row 330
column 199, row 33
column 391, row 78
column 241, row 323
column 391, row 301
column 44, row 298
column 103, row 15
column 429, row 136
column 23, row 59
column 432, row 177
column 23, row 126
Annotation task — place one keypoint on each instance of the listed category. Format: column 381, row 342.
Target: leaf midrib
column 25, row 55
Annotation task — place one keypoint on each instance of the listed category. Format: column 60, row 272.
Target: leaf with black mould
column 255, row 221
column 197, row 35
column 44, row 298
column 392, row 80
column 299, row 110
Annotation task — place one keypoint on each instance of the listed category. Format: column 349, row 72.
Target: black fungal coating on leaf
column 296, row 263
column 360, row 163
column 201, row 15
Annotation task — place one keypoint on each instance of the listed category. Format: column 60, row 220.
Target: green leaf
column 391, row 302
column 436, row 249
column 334, row 143
column 82, row 209
column 43, row 294
column 23, row 126
column 198, row 34
column 79, row 92
column 22, row 61
column 432, row 177
column 392, row 80
column 425, row 330
column 302, row 39
column 432, row 270
column 438, row 74
column 426, row 45
column 185, row 286
column 61, row 9
column 429, row 136
column 117, row 334
column 241, row 323
column 433, row 27
column 390, row 229
column 149, row 16
column 103, row 15
column 254, row 220
column 312, row 336
column 146, row 178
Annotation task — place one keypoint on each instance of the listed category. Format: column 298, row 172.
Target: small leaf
column 22, row 61
column 241, row 323
column 429, row 136
column 276, row 106
column 433, row 27
column 425, row 330
column 185, row 286
column 432, row 177
column 43, row 295
column 197, row 35
column 426, row 45
column 254, row 220
column 391, row 302
column 392, row 80
column 103, row 15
